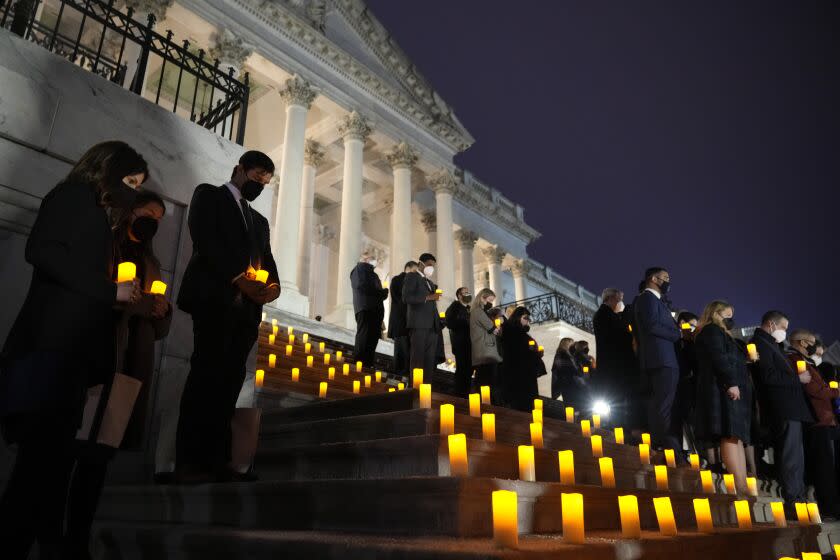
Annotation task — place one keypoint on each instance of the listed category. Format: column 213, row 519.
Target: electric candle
column 669, row 458
column 619, row 435
column 488, row 427
column 802, row 513
column 367, row 381
column 570, row 414
column 158, row 288
column 505, row 522
column 778, row 509
column 326, row 359
column 837, row 551
column 814, row 513
column 585, row 429
column 475, row 405
column 259, row 377
column 646, row 439
column 339, row 355
column 291, row 339
column 752, row 351
column 567, row 467
column 295, row 374
column 540, row 349
column 289, row 349
column 356, row 387
column 596, row 420
column 628, row 507
column 644, row 454
column 439, row 291
column 321, row 347
column 532, row 343
column 538, row 404
column 665, row 516
column 261, row 276
column 585, row 369
column 597, row 446
column 536, row 435
column 126, row 271
column 729, row 483
column 801, row 366
column 485, row 394
column 694, row 461
column 358, row 367
column 322, row 389
column 271, row 339
column 752, row 486
column 417, row 377
column 310, row 361
column 685, row 326
column 345, row 369
column 378, row 376
column 458, row 465
column 272, row 360
column 572, row 507
column 290, row 330
column 391, row 389
column 537, row 415
column 812, row 555
column 706, row 481
column 307, row 348
column 498, row 323
column 703, row 515
column 447, row 419
column 274, row 329
column 661, row 477
column 742, row 511
column 331, row 373
column 629, row 328
column 400, row 386
column 833, row 385
column 605, row 465
column 442, row 315
column 305, row 338
column 273, row 321
column 425, row 395
column 526, row 463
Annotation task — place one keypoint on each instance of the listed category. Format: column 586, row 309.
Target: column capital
column 155, row 7
column 520, row 268
column 401, row 156
column 429, row 220
column 354, row 126
column 443, row 181
column 298, row 91
column 494, row 254
column 466, row 239
column 324, row 234
column 313, row 153
column 230, row 49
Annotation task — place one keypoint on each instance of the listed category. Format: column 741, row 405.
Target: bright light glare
column 601, row 407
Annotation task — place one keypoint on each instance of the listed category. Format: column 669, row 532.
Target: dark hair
column 105, row 165
column 773, row 317
column 122, row 219
column 253, row 159
column 427, row 257
column 409, row 264
column 687, row 317
column 517, row 314
column 460, row 290
column 819, row 343
column 580, row 345
column 653, row 271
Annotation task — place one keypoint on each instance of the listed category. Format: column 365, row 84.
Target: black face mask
column 488, row 306
column 251, row 190
column 526, row 328
column 144, row 228
column 729, row 323
column 466, row 299
column 811, row 349
column 665, row 287
column 120, row 196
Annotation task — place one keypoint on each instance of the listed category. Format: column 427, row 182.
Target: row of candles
column 127, row 271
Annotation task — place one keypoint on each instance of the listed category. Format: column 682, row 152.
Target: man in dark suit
column 219, row 289
column 368, row 295
column 396, row 321
column 657, row 334
column 617, row 368
column 422, row 319
column 458, row 323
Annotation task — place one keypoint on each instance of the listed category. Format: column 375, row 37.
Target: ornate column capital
column 520, row 268
column 354, row 126
column 313, row 154
column 324, row 234
column 298, row 91
column 429, row 220
column 494, row 254
column 466, row 239
column 155, row 7
column 401, row 156
column 230, row 49
column 443, row 181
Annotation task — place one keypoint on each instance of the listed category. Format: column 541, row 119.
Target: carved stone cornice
column 443, row 182
column 313, row 154
column 297, row 91
column 429, row 220
column 520, row 268
column 230, row 49
column 144, row 7
column 354, row 126
column 489, row 203
column 401, row 156
column 466, row 239
column 494, row 254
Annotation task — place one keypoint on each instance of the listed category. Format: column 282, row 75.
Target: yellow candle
column 540, row 349
column 742, row 511
column 619, row 435
column 752, row 351
column 271, row 339
column 585, row 369
column 665, row 516
column 694, row 461
column 567, row 467
column 289, row 349
column 801, row 366
column 703, row 515
column 537, row 415
column 661, row 477
column 310, row 361
column 778, row 509
column 752, row 486
column 307, row 348
column 628, row 507
column 585, row 429
column 339, row 355
column 596, row 420
column 322, row 389
column 417, row 377
column 532, row 343
column 400, row 386
column 644, row 454
column 629, row 328
column 488, row 427
column 813, row 555
column 729, row 483
column 295, row 374
column 570, row 414
column 814, row 513
column 261, row 276
column 447, row 419
column 498, row 323
column 442, row 315
column 391, row 389
column 274, row 329
column 526, row 463
column 158, row 288
column 378, row 376
column 706, row 481
column 367, row 381
column 321, row 346
column 597, row 446
column 685, row 326
column 425, row 395
column 505, row 522
column 833, row 385
column 837, row 551
column 438, row 291
column 259, row 377
column 538, row 404
column 272, row 360
column 536, row 435
column 605, row 465
column 572, row 507
column 331, row 373
column 646, row 439
column 305, row 338
column 326, row 359
column 126, row 271
column 802, row 513
column 290, row 330
column 485, row 394
column 356, row 387
column 475, row 405
column 458, row 455
column 669, row 458
column 291, row 339
column 345, row 369
column 358, row 367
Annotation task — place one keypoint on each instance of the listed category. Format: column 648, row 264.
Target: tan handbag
column 116, row 414
column 245, row 431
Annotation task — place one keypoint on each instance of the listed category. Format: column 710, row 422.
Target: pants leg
column 824, row 471
column 360, row 344
column 85, row 491
column 401, row 356
column 373, row 336
column 463, row 371
column 790, row 460
column 660, row 409
column 423, row 349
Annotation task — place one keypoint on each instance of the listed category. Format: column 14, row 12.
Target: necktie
column 253, row 245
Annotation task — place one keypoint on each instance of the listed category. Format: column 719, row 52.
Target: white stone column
column 355, row 131
column 313, row 155
column 319, row 280
column 430, row 226
column 444, row 185
column 520, row 273
column 402, row 158
column 466, row 244
column 494, row 256
column 298, row 96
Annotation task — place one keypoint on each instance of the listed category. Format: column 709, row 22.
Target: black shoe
column 230, row 475
column 191, row 475
column 164, row 478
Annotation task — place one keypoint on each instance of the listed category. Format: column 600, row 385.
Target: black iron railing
column 557, row 307
column 97, row 36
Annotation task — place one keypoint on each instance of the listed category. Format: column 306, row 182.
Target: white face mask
column 779, row 335
column 373, row 262
column 620, row 307
column 817, row 359
column 428, row 271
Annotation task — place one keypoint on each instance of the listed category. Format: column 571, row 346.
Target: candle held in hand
column 158, row 288
column 126, row 272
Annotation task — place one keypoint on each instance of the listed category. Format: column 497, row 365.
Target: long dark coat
column 521, row 367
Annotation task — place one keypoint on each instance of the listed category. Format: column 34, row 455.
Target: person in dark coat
column 522, row 363
column 422, row 320
column 684, row 402
column 566, row 377
column 617, row 365
column 139, row 326
column 368, row 297
column 396, row 321
column 44, row 369
column 724, row 396
column 458, row 323
column 783, row 404
column 230, row 241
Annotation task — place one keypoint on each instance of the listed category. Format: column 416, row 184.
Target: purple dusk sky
column 698, row 136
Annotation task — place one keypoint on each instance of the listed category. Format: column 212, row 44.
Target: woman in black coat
column 62, row 340
column 724, row 394
column 566, row 377
column 522, row 363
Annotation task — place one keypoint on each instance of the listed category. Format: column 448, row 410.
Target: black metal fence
column 98, row 37
column 557, row 307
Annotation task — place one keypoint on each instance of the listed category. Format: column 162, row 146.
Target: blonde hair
column 711, row 315
column 482, row 293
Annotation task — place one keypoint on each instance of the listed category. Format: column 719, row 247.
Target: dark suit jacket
column 458, row 323
column 781, row 395
column 421, row 314
column 221, row 251
column 396, row 317
column 368, row 292
column 657, row 333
